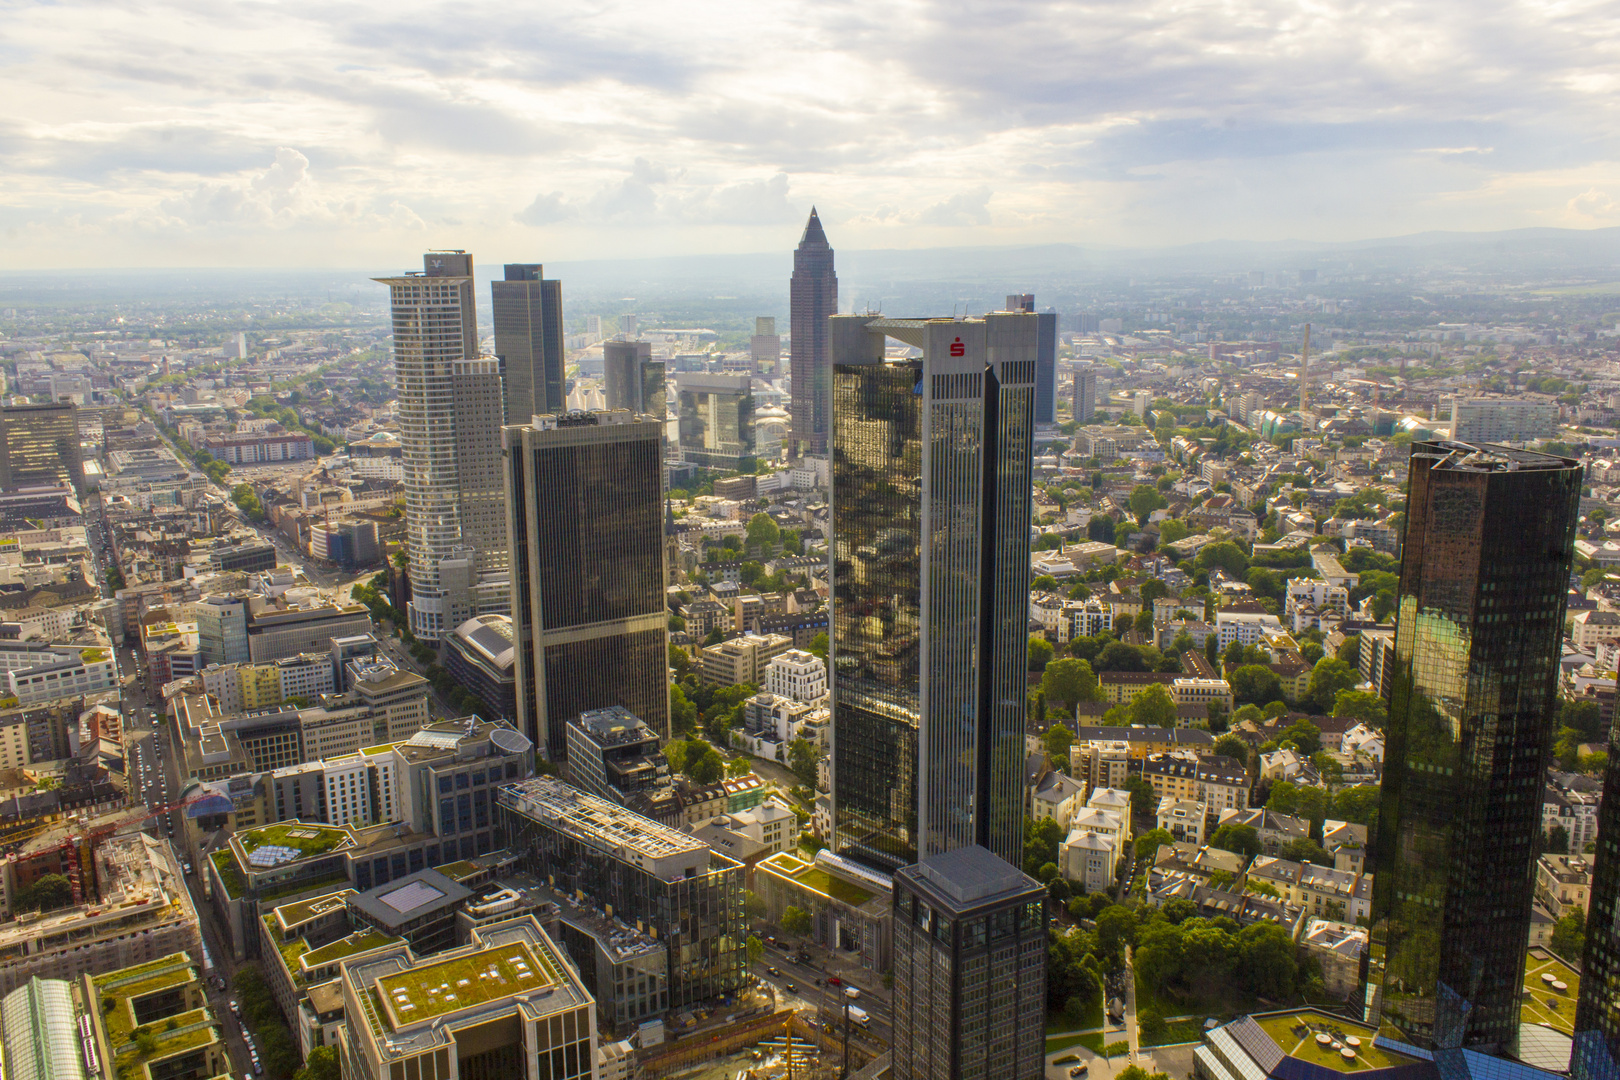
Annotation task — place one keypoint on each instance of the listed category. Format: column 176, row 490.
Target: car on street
column 833, row 980
column 1079, row 1070
column 790, row 988
column 773, row 971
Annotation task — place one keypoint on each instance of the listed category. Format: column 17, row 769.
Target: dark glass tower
column 1597, row 1015
column 1489, row 541
column 632, row 378
column 930, row 564
column 969, row 969
column 527, row 310
column 585, row 516
column 814, row 299
column 39, row 444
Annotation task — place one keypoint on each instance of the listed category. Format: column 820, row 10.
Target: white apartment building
column 1182, row 819
column 1249, row 627
column 1084, row 618
column 1201, row 692
column 1495, row 420
column 1318, row 594
column 798, row 676
column 36, row 673
column 348, row 791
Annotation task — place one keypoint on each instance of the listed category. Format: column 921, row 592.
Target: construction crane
column 76, row 852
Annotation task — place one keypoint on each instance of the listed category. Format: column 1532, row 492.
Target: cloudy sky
column 347, row 134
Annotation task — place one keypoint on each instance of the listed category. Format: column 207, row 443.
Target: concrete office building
column 481, row 656
column 930, row 579
column 514, row 1008
column 1498, row 420
column 969, row 969
column 765, row 347
column 689, row 897
column 1484, row 575
column 1046, row 343
column 586, row 527
column 527, row 311
column 39, row 446
column 448, row 397
column 612, row 754
column 278, row 631
column 222, row 622
column 1085, row 393
column 633, row 380
column 813, row 299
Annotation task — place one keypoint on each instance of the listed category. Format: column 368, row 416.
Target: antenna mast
column 1305, row 371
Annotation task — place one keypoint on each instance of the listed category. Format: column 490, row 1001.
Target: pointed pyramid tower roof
column 812, row 231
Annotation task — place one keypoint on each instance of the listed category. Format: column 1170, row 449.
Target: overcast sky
column 357, row 134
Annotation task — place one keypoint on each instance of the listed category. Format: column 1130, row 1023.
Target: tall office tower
column 1045, row 356
column 716, row 420
column 1596, row 1053
column 449, row 402
column 39, row 445
column 585, row 514
column 814, row 299
column 529, row 340
column 1085, row 393
column 635, row 381
column 765, row 347
column 969, row 969
column 930, row 565
column 1489, row 541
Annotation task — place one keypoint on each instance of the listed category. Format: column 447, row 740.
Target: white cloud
column 716, row 123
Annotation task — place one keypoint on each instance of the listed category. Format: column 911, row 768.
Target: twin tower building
column 514, row 503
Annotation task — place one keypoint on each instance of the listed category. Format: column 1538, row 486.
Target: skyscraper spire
column 814, row 295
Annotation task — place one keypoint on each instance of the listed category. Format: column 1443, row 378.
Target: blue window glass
column 463, row 813
column 447, row 816
column 444, row 785
column 461, row 781
column 478, row 779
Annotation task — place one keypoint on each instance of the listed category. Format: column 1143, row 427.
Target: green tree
column 818, row 645
column 1144, row 800
column 47, row 893
column 1171, row 530
column 1557, row 839
column 1151, row 1026
column 1304, row 849
column 801, row 758
column 796, row 921
column 1358, row 804
column 1360, row 705
column 1040, row 653
column 1116, row 928
column 1153, row 707
column 322, row 1064
column 1569, row 934
column 1145, row 499
column 1058, row 740
column 753, row 905
column 756, row 950
column 706, row 768
column 1041, row 841
column 1328, row 677
column 763, row 532
column 1231, row 746
column 1069, row 681
column 1306, row 737
column 1266, row 965
column 1238, row 839
column 738, row 766
column 1255, row 684
column 1150, row 842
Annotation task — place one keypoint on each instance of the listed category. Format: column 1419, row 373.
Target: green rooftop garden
column 290, row 950
column 225, row 861
column 1543, row 1002
column 308, row 840
column 458, row 871
column 93, row 656
column 816, row 879
column 301, row 911
column 1296, row 1033
column 188, row 1032
column 433, row 989
column 359, row 942
column 372, row 751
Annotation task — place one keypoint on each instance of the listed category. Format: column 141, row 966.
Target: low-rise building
column 851, row 906
column 742, row 659
column 1564, row 884
column 1337, row 947
column 166, row 999
column 505, row 999
column 1182, row 819
column 1275, row 831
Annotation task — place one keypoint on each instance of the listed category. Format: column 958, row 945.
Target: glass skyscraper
column 585, row 514
column 1596, row 1054
column 632, row 379
column 930, row 577
column 39, row 445
column 969, row 969
column 527, row 312
column 716, row 420
column 1489, row 542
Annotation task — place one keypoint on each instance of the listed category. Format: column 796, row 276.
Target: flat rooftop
column 287, row 842
column 434, row 989
column 814, row 878
column 597, row 820
column 1299, row 1035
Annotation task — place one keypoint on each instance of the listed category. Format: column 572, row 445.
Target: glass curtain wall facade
column 813, row 299
column 632, row 379
column 1596, row 1054
column 701, row 917
column 931, row 474
column 716, row 420
column 969, row 969
column 39, row 444
column 527, row 311
column 585, row 518
column 1489, row 543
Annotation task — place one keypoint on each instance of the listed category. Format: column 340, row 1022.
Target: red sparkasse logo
column 957, row 348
